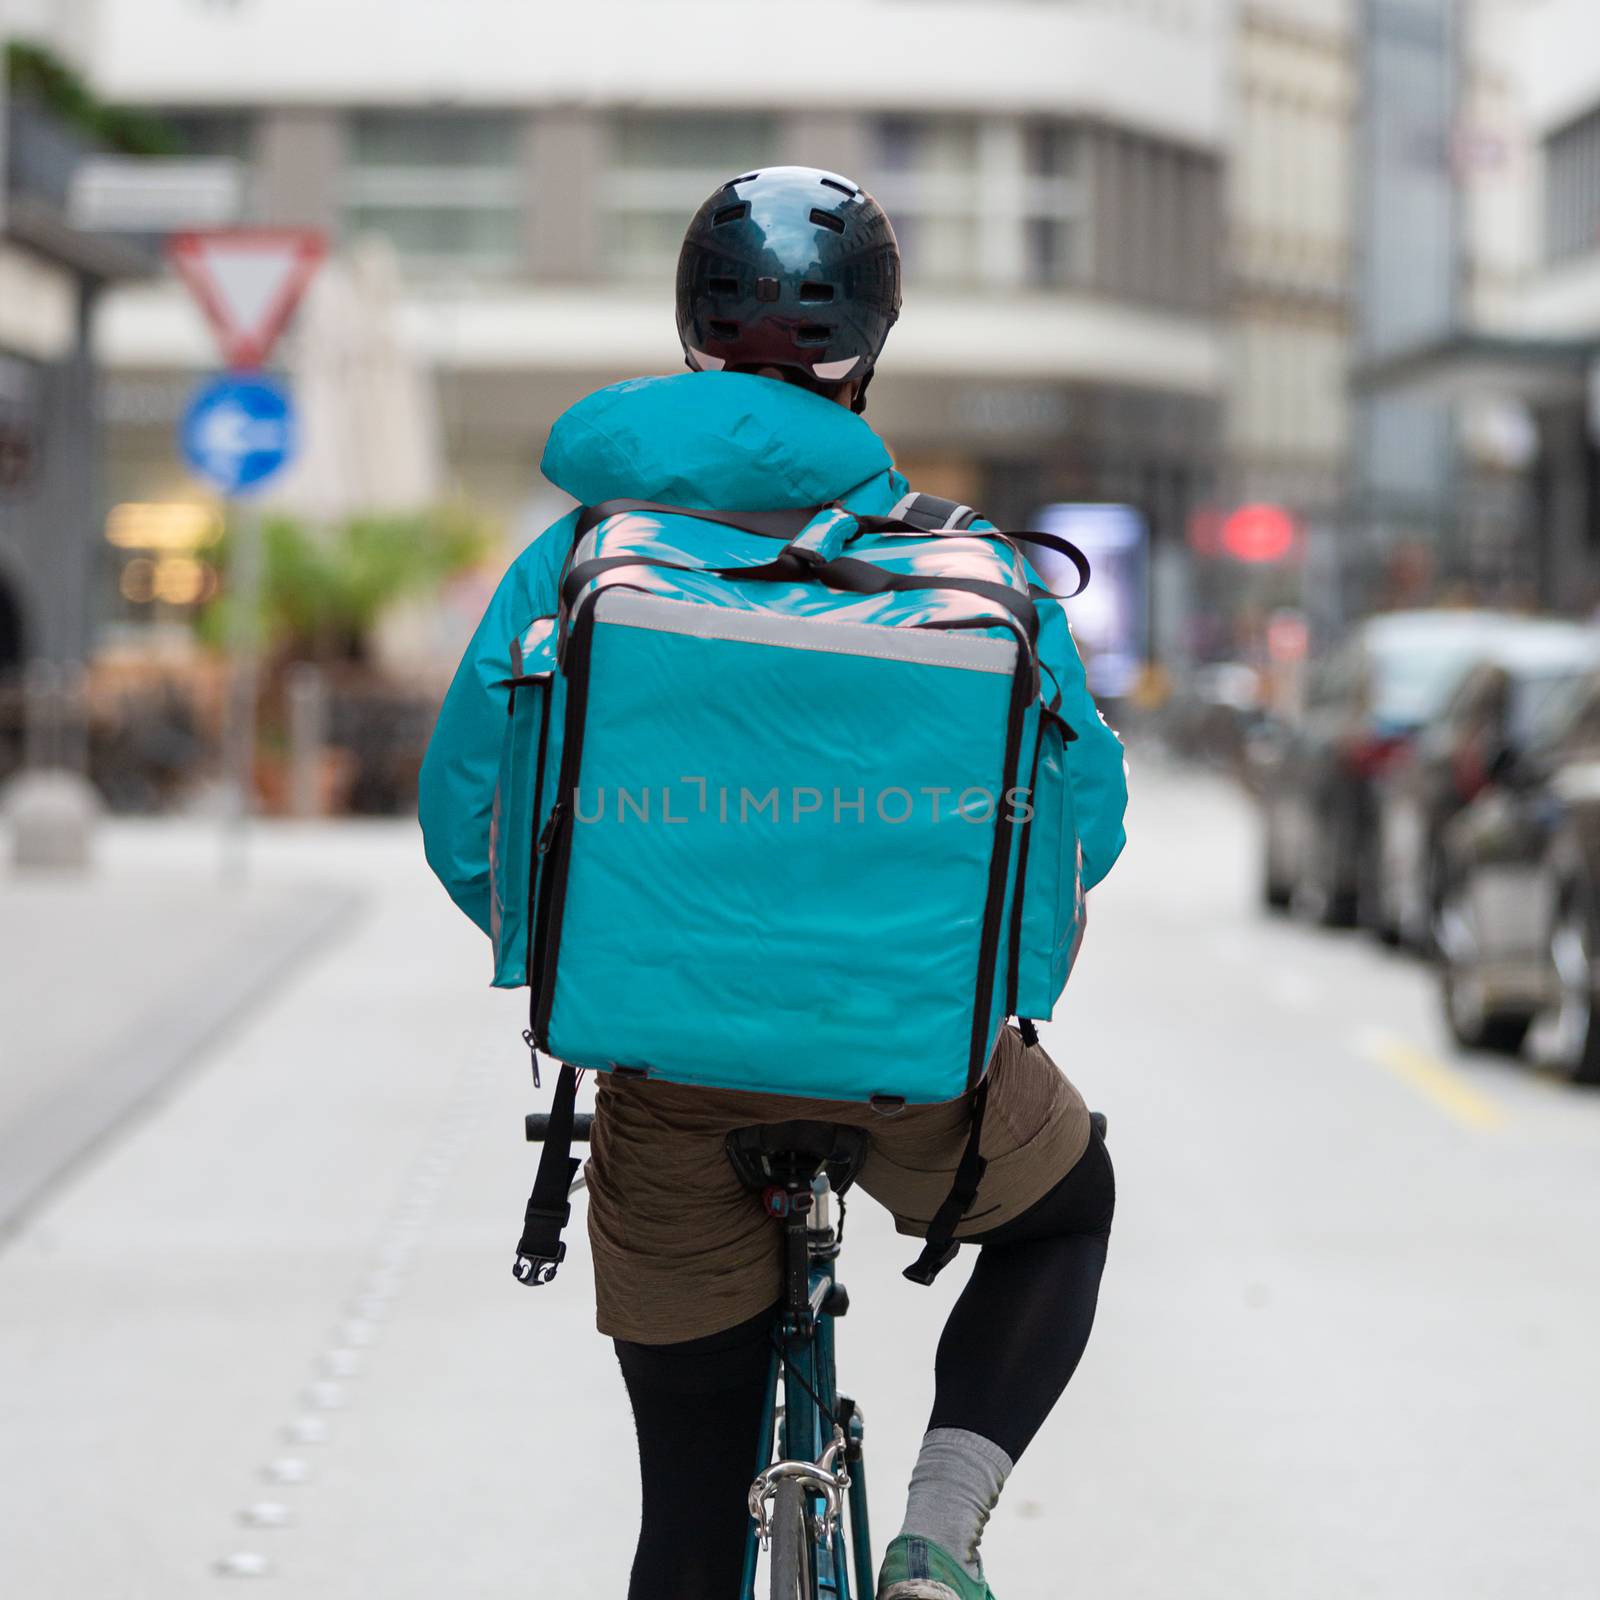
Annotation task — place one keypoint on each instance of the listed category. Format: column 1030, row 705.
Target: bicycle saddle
column 795, row 1152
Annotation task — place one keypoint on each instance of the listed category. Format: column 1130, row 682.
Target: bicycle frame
column 803, row 1363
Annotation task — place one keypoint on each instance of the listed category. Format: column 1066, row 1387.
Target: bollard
column 51, row 806
column 52, row 813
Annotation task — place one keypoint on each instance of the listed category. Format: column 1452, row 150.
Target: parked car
column 1213, row 712
column 1316, row 776
column 1519, row 915
column 1525, row 662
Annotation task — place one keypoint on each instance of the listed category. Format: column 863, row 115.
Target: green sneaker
column 918, row 1569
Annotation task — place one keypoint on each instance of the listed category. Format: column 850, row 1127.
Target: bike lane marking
column 1432, row 1078
column 342, row 1360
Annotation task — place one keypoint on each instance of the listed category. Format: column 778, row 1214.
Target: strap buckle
column 541, row 1250
column 534, row 1270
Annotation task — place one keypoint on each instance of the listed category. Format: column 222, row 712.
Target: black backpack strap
column 541, row 1248
column 852, row 575
column 935, row 515
column 932, row 514
column 926, row 512
column 1065, row 547
column 940, row 1248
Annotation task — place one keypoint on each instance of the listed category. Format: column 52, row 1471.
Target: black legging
column 1012, row 1343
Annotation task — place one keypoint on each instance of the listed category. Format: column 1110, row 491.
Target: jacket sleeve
column 459, row 772
column 1096, row 768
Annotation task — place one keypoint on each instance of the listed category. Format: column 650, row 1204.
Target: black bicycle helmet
column 789, row 267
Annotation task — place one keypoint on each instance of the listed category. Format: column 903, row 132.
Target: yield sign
column 248, row 282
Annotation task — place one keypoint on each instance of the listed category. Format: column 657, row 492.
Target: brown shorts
column 682, row 1250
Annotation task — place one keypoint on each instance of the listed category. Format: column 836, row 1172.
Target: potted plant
column 322, row 594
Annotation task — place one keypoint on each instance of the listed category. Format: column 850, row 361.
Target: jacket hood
column 726, row 441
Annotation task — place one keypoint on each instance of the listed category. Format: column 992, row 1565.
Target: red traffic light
column 1260, row 533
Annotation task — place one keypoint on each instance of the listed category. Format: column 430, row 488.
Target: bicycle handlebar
column 537, row 1124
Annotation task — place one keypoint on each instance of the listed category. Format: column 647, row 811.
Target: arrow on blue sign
column 238, row 431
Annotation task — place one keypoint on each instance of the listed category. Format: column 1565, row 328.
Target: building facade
column 1481, row 317
column 1290, row 301
column 1555, row 312
column 1055, row 174
column 1289, row 254
column 52, row 276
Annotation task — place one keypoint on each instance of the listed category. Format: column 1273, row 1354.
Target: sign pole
column 244, row 688
column 237, row 433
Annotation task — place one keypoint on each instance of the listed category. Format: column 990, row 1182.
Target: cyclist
column 686, row 1274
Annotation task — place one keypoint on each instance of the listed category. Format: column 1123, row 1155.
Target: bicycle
column 810, row 1474
column 810, row 1483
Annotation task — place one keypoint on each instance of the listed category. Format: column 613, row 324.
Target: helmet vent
column 816, row 291
column 843, row 188
column 825, row 219
column 721, row 328
column 733, row 213
column 813, row 333
column 723, row 285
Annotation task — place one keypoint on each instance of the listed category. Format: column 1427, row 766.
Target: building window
column 229, row 134
column 446, row 188
column 925, row 173
column 1572, row 190
column 661, row 167
column 1055, row 206
column 1157, row 206
column 1001, row 201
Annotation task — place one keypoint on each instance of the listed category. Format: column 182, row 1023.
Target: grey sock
column 954, row 1486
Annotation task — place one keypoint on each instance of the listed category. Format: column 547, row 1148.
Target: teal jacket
column 714, row 441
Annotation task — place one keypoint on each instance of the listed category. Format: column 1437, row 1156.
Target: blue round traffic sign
column 238, row 431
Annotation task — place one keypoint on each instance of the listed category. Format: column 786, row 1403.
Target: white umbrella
column 369, row 416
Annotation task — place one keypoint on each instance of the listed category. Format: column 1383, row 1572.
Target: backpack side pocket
column 514, row 825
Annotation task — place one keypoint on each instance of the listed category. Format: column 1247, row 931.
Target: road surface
column 1346, row 1345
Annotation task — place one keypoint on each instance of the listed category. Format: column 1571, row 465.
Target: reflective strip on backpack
column 923, row 646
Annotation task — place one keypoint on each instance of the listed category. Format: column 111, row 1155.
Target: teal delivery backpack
column 774, row 783
column 783, row 803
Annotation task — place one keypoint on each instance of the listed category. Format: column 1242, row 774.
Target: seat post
column 783, row 1163
column 790, row 1200
column 797, row 1318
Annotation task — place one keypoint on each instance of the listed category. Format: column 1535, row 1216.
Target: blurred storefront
column 51, row 275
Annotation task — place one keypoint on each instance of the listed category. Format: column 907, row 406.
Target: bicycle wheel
column 791, row 1543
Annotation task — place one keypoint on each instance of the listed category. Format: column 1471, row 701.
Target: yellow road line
column 1435, row 1080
